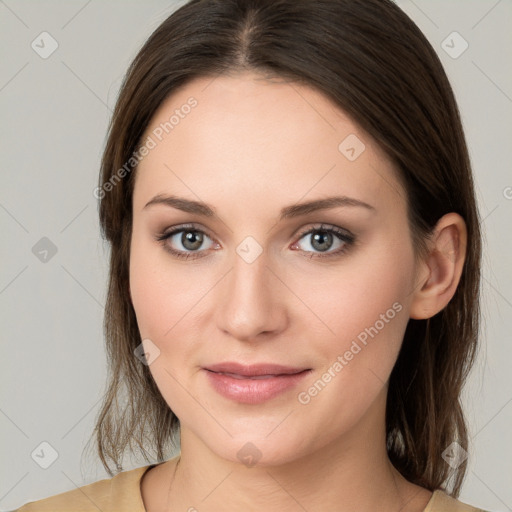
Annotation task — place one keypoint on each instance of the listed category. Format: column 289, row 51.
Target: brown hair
column 372, row 61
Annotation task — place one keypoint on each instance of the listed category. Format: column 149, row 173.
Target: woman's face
column 260, row 280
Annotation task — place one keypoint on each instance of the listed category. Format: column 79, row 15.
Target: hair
column 375, row 64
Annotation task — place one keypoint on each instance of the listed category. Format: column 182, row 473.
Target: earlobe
column 443, row 267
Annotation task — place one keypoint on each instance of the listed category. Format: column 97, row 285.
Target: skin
column 250, row 147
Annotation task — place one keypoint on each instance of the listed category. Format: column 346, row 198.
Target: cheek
column 167, row 298
column 354, row 295
column 159, row 291
column 162, row 295
column 364, row 305
column 367, row 313
column 151, row 298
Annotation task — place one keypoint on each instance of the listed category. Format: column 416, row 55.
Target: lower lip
column 253, row 391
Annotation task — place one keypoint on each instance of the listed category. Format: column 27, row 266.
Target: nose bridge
column 249, row 302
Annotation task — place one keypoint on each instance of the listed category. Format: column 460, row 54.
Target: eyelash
column 346, row 237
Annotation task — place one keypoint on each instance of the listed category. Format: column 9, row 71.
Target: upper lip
column 253, row 369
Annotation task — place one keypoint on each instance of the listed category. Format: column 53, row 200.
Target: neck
column 341, row 480
column 351, row 473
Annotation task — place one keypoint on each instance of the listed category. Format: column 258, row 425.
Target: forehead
column 244, row 134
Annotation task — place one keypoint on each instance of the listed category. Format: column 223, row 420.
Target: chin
column 257, row 444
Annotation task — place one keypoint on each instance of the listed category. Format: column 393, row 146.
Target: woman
column 295, row 264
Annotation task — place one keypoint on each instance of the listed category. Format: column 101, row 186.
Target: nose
column 251, row 301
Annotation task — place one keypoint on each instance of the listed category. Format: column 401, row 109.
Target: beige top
column 122, row 494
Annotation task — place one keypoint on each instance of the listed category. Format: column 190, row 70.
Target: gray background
column 54, row 119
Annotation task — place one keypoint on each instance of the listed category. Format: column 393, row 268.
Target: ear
column 440, row 270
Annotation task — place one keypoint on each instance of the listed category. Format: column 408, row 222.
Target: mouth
column 254, row 377
column 253, row 384
column 254, row 370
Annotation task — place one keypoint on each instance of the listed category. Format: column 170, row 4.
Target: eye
column 188, row 241
column 323, row 239
column 184, row 241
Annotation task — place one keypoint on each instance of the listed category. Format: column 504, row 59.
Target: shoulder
column 122, row 489
column 442, row 502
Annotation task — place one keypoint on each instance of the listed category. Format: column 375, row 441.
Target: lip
column 253, row 384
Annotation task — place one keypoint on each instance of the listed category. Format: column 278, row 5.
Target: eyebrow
column 295, row 210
